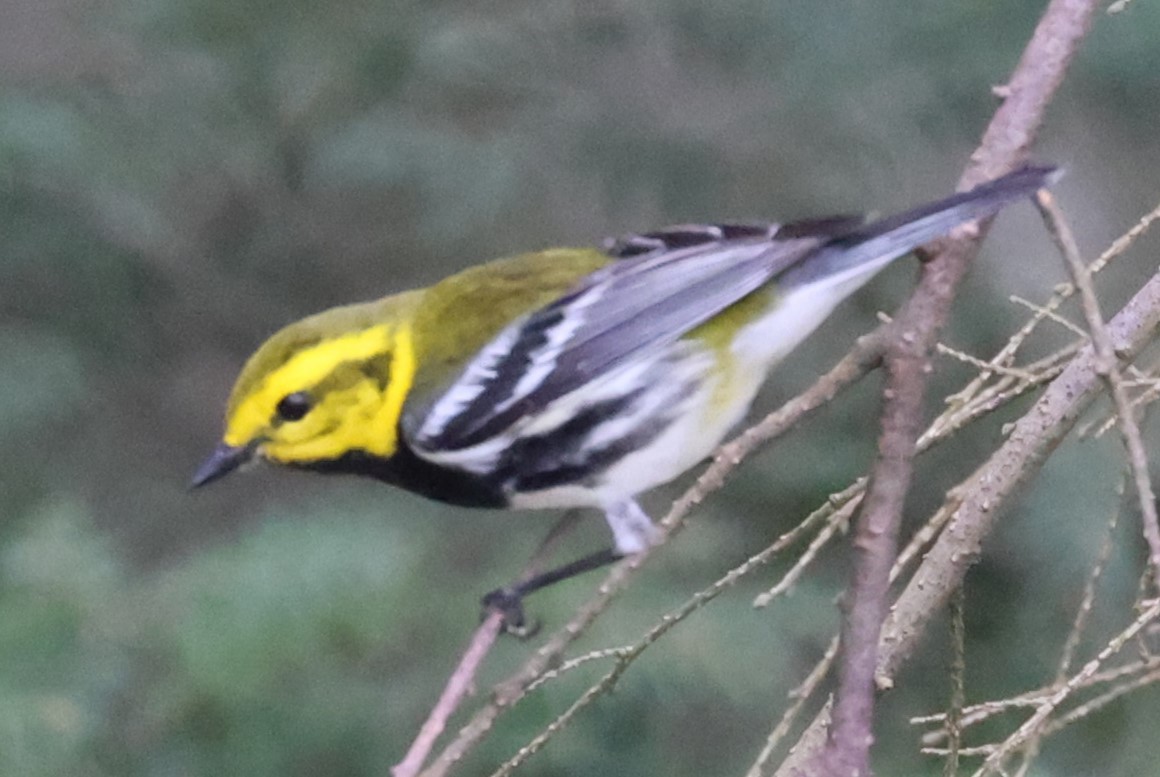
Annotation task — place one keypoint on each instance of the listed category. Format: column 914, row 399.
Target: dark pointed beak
column 224, row 460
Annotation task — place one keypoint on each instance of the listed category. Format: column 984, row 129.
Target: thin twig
column 1061, row 293
column 1125, row 241
column 462, row 679
column 1005, row 144
column 984, row 366
column 1104, row 699
column 983, row 495
column 834, row 512
column 840, row 519
column 1031, row 440
column 1107, row 364
column 995, row 396
column 1043, row 312
column 458, row 687
column 1030, row 751
column 1142, row 674
column 977, row 713
column 800, row 696
column 954, row 719
column 1083, row 612
column 994, row 761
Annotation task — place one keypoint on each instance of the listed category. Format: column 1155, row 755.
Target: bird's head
column 324, row 387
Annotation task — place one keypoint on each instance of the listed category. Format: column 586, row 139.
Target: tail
column 857, row 255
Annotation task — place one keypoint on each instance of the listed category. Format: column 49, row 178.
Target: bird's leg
column 632, row 531
column 509, row 599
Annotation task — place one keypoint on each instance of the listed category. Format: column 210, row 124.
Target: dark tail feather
column 876, row 245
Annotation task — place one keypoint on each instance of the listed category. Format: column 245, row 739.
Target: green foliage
column 272, row 656
column 57, row 635
column 42, row 384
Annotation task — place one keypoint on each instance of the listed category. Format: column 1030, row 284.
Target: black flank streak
column 559, row 457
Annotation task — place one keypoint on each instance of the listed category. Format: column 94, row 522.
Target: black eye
column 294, row 406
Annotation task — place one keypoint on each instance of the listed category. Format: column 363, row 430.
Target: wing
column 664, row 285
column 668, row 283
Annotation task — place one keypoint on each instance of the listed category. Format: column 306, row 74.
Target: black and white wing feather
column 665, row 284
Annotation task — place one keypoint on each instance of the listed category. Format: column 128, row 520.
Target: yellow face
column 311, row 396
column 341, row 394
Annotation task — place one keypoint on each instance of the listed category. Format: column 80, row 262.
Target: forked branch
column 1005, row 145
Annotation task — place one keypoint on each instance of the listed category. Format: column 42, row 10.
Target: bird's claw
column 509, row 603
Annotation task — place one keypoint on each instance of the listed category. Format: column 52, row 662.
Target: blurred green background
column 178, row 178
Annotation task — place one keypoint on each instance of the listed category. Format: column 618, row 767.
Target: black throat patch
column 407, row 471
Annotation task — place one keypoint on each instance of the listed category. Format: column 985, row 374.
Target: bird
column 567, row 377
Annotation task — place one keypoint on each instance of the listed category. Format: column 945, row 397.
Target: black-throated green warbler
column 574, row 377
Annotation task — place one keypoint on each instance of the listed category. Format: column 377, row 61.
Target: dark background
column 180, row 178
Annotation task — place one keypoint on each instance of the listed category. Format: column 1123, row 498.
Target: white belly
column 699, row 424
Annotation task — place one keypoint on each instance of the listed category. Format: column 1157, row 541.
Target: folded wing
column 663, row 285
column 644, row 301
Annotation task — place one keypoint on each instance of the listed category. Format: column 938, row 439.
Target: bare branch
column 834, row 513
column 1033, row 724
column 1119, row 676
column 1005, row 144
column 1032, row 439
column 954, row 717
column 800, row 696
column 1084, row 610
column 458, row 686
column 983, row 495
column 1108, row 368
column 462, row 679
